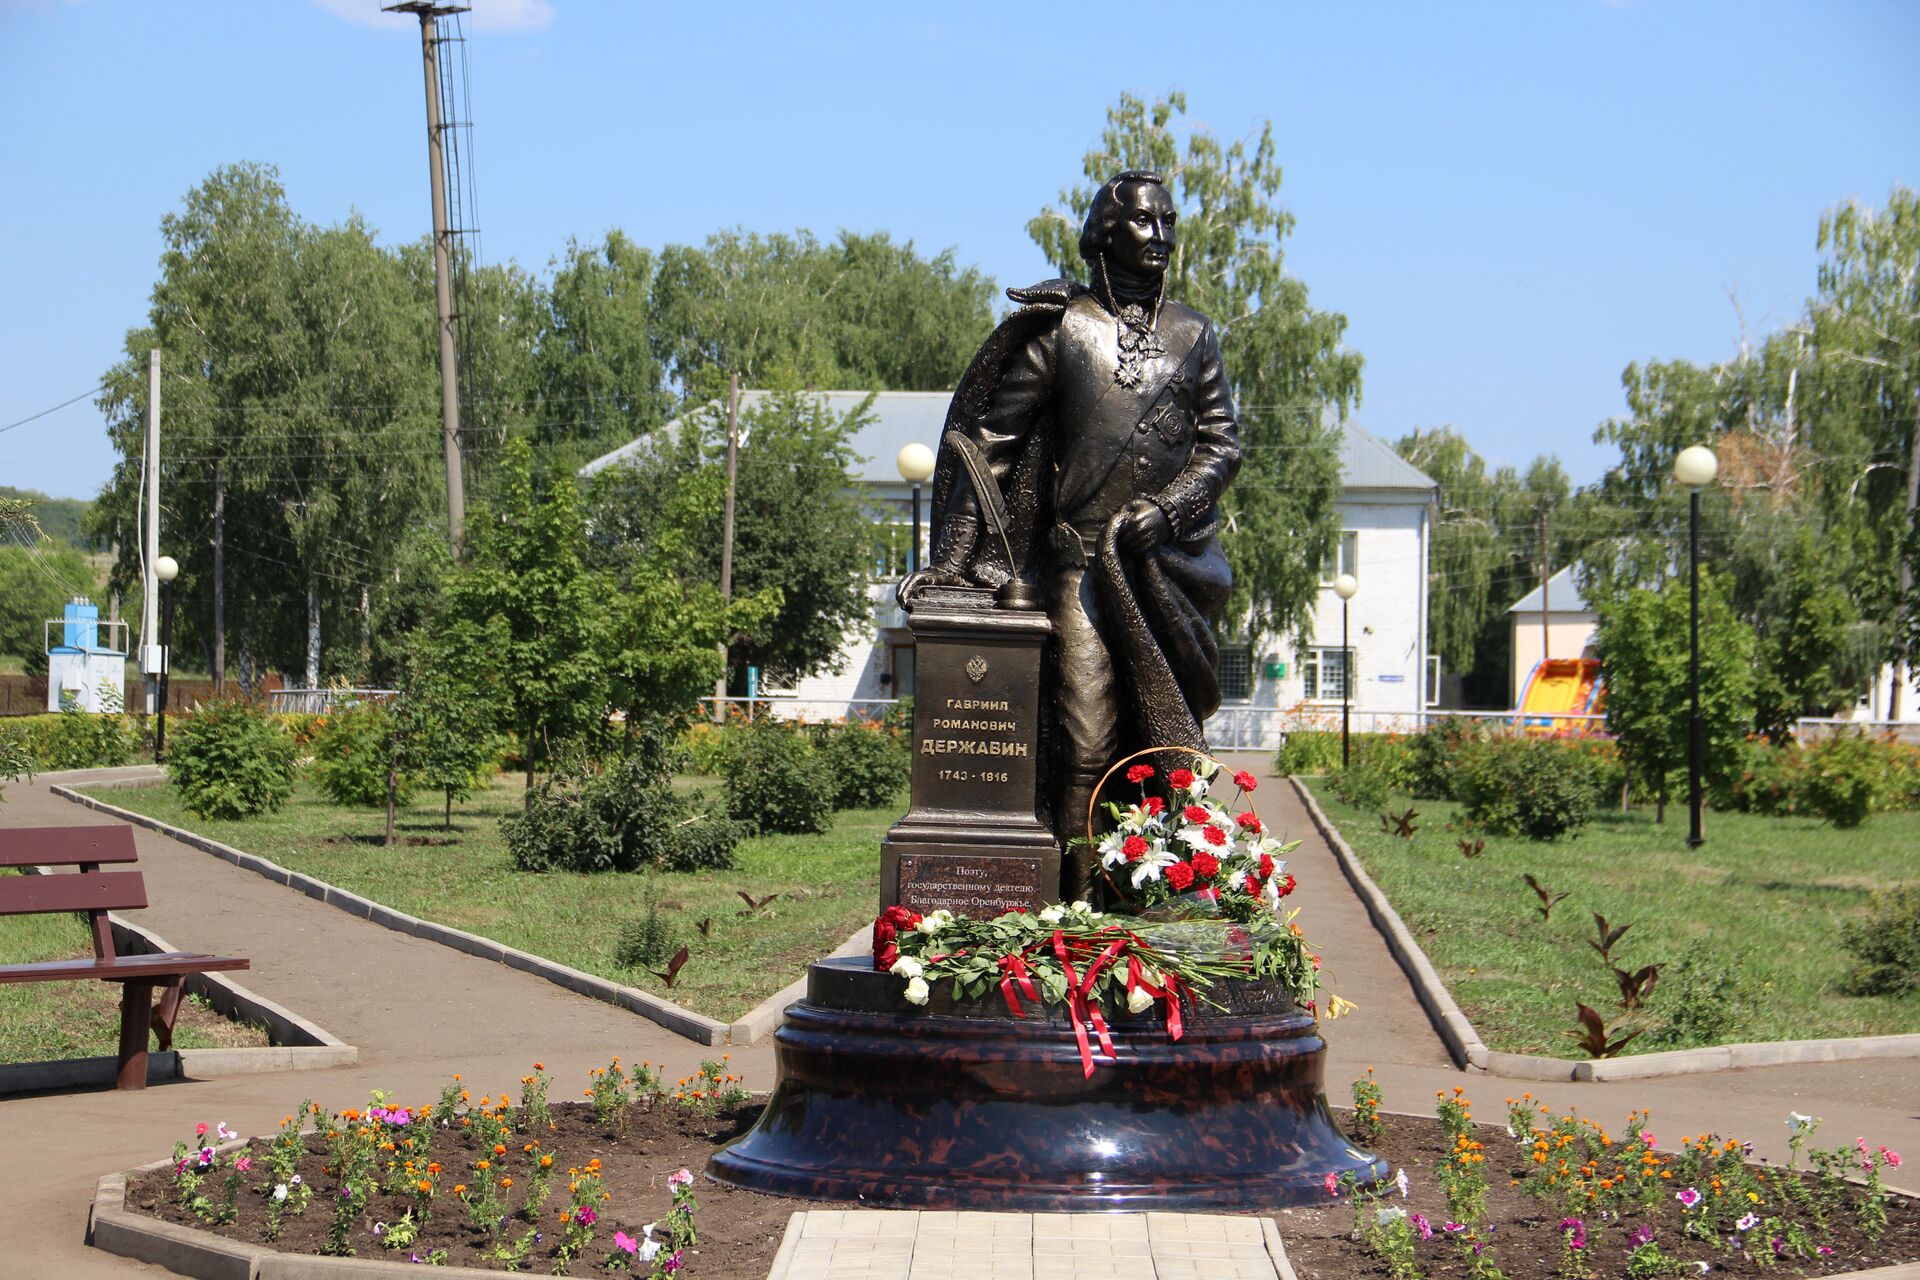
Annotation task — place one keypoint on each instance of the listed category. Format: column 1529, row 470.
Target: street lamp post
column 1344, row 586
column 166, row 569
column 1694, row 467
column 916, row 467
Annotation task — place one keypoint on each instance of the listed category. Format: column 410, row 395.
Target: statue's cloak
column 1156, row 605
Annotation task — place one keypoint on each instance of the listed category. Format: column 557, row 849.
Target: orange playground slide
column 1559, row 687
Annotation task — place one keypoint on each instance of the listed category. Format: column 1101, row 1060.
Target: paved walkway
column 419, row 1012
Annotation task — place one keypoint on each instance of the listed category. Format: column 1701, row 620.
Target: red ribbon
column 1137, row 979
column 1017, row 980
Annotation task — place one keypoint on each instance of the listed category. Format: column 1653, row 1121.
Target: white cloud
column 487, row 15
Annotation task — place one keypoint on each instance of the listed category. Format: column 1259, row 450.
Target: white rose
column 1053, row 913
column 1138, row 1000
column 1082, row 905
column 934, row 921
column 917, row 991
column 907, row 967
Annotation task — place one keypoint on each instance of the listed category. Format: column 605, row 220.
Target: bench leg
column 136, row 1005
column 165, row 1010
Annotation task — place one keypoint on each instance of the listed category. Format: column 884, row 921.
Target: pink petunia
column 1891, row 1156
column 1687, row 1198
column 1332, row 1184
column 625, row 1243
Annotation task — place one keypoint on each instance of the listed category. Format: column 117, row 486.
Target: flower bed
column 1547, row 1196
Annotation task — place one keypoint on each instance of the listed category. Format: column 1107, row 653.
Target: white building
column 1268, row 686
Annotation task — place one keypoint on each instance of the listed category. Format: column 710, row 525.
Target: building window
column 1433, row 679
column 892, row 542
column 1325, row 676
column 1236, row 672
column 1344, row 557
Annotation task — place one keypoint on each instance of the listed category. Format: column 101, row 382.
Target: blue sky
column 1509, row 202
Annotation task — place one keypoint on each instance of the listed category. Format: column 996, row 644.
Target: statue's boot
column 1080, row 865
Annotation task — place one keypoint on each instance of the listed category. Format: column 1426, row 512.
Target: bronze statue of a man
column 1084, row 458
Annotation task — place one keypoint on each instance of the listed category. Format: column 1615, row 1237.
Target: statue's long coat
column 1067, row 445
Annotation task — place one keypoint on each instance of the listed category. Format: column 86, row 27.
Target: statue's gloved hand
column 1144, row 526
column 938, row 575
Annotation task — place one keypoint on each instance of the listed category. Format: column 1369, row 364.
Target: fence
column 315, row 702
column 22, row 695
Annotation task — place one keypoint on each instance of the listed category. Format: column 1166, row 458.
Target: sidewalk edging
column 681, row 1021
column 1464, row 1043
column 764, row 1017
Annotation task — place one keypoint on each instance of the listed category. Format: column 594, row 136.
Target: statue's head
column 1131, row 222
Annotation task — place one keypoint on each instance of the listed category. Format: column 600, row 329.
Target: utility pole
column 149, row 581
column 726, row 536
column 1902, row 671
column 429, row 13
column 219, row 578
column 1546, row 576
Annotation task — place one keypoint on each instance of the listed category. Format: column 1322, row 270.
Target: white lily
column 1199, row 788
column 907, row 967
column 1150, row 867
column 918, row 992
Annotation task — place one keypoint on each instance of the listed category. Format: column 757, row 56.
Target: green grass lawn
column 828, row 885
column 40, row 1021
column 1748, row 925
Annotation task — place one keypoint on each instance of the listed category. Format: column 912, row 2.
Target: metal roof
column 899, row 418
column 1563, row 596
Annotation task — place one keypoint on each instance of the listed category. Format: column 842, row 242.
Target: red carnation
column 1140, row 773
column 1180, row 876
column 1154, row 805
column 1250, row 822
column 1266, row 866
column 1206, row 866
column 1195, row 813
column 1215, row 836
column 1135, row 847
column 1181, row 779
column 1286, row 886
column 1245, row 781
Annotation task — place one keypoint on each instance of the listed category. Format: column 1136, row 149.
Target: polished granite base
column 963, row 1106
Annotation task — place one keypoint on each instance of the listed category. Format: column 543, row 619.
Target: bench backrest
column 91, row 890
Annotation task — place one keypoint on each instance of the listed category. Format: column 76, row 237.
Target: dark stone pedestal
column 973, row 842
column 966, row 1107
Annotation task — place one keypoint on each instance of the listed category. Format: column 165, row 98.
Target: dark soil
column 412, row 842
column 739, row 1232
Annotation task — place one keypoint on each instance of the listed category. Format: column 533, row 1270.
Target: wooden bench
column 97, row 892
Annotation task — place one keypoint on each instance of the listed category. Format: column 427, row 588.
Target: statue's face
column 1143, row 241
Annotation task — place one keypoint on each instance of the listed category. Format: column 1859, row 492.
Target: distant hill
column 60, row 517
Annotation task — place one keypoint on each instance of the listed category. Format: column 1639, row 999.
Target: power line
column 32, row 417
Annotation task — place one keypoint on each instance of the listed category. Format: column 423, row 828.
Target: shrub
column 623, row 817
column 644, row 940
column 75, row 739
column 706, row 746
column 1308, row 751
column 1539, row 788
column 1362, row 786
column 1431, row 756
column 777, row 781
column 869, row 766
column 1703, row 1002
column 1388, row 754
column 1887, row 945
column 1839, row 780
column 353, row 747
column 229, row 760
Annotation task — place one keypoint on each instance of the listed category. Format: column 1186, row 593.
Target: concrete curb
column 1277, row 1249
column 298, row 1045
column 681, row 1021
column 1464, row 1043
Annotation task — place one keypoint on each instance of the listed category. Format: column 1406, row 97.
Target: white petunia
column 1390, row 1214
column 1400, row 1181
column 649, row 1247
column 280, row 1191
column 1799, row 1123
column 907, row 967
column 918, row 991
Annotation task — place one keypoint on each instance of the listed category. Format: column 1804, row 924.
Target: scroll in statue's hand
column 1143, row 526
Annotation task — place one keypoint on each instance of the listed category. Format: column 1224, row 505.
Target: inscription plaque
column 977, row 885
